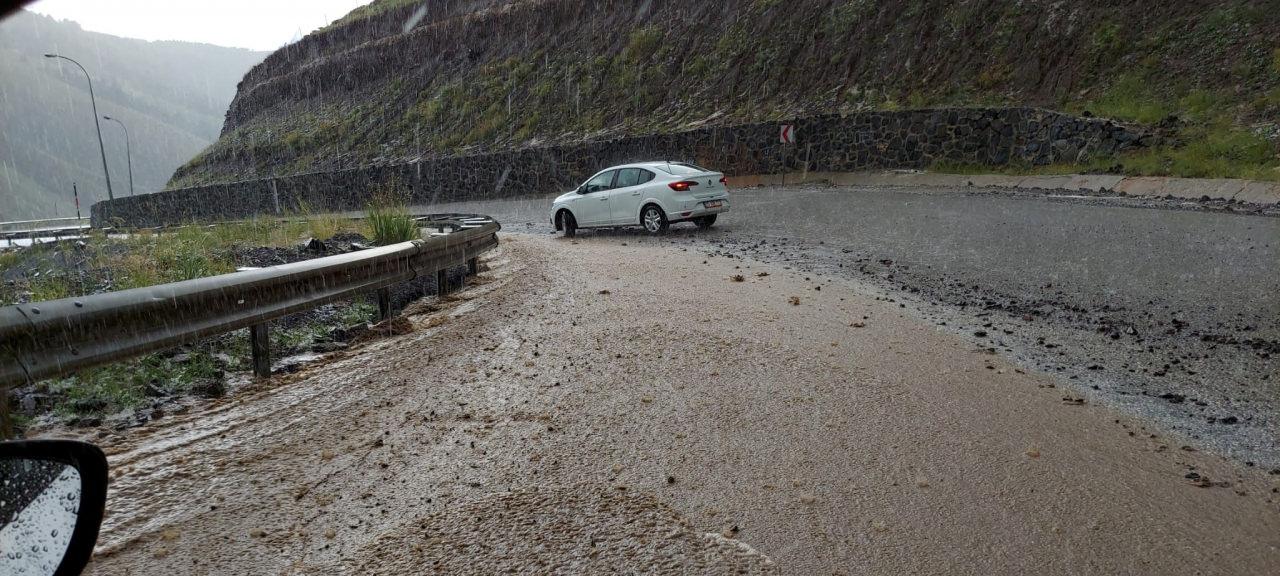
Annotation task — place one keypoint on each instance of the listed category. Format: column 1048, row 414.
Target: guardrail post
column 261, row 345
column 473, row 267
column 384, row 303
column 442, row 282
column 6, row 427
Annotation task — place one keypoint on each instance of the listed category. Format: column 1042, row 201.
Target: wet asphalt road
column 1158, row 307
column 1094, row 251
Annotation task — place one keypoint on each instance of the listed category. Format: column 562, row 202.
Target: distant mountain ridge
column 171, row 95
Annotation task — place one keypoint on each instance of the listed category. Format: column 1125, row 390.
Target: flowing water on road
column 621, row 401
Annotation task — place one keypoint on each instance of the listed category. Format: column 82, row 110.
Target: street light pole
column 128, row 154
column 102, row 149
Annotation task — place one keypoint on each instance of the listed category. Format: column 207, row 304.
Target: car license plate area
column 713, row 204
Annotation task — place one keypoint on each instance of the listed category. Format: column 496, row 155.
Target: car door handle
column 636, row 193
column 605, row 199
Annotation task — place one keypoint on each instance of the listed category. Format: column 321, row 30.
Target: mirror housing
column 32, row 468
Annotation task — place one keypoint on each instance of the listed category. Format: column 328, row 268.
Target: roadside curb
column 1251, row 191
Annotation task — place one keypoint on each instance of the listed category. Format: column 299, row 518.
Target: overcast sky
column 256, row 24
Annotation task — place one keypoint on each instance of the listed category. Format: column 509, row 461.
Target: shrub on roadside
column 389, row 222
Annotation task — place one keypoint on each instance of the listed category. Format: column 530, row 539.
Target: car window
column 680, row 168
column 602, row 181
column 646, row 176
column 627, row 177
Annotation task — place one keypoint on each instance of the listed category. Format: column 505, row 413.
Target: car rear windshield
column 681, row 168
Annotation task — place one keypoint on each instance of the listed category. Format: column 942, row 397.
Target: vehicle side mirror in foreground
column 52, row 494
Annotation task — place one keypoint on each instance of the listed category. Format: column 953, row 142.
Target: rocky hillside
column 398, row 80
column 171, row 95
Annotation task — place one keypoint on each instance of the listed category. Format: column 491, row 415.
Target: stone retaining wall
column 1238, row 191
column 863, row 141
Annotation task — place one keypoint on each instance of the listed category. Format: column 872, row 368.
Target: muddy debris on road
column 530, row 417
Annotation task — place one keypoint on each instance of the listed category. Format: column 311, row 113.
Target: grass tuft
column 128, row 385
column 49, row 287
column 390, row 222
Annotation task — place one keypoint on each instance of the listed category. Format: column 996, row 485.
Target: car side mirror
column 52, row 494
column 582, row 189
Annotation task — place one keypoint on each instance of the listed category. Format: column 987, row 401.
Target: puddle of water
column 298, row 359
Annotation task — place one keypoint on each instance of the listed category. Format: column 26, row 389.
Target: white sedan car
column 649, row 194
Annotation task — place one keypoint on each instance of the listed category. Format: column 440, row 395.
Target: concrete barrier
column 1251, row 191
column 1259, row 193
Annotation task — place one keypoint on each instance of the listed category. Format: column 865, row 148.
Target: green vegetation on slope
column 1207, row 138
column 369, row 11
column 554, row 71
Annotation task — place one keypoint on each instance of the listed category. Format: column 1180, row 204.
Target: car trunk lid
column 710, row 185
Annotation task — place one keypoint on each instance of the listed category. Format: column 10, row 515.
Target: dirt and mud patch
column 891, row 447
column 1209, row 379
column 1134, row 302
column 584, row 529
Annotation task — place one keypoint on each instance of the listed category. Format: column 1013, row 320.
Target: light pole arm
column 122, row 126
column 128, row 151
column 97, row 126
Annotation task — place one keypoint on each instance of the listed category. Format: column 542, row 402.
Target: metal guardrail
column 66, row 222
column 8, row 236
column 82, row 227
column 56, row 228
column 58, row 337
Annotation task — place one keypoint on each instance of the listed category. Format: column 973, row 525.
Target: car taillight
column 682, row 186
column 724, row 180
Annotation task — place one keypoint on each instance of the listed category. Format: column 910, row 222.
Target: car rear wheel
column 653, row 219
column 568, row 224
column 705, row 221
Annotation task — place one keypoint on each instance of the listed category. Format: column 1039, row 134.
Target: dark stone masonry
column 861, row 141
